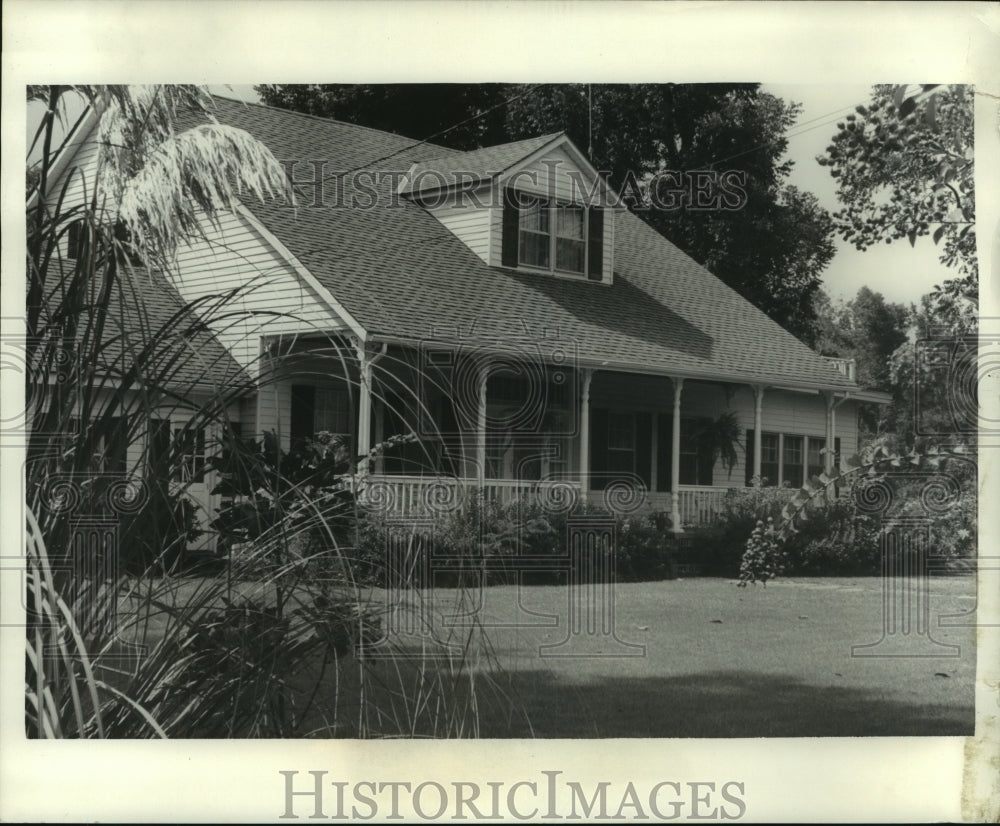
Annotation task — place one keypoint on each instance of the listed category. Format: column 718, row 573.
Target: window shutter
column 595, row 244
column 511, row 226
column 749, row 451
column 598, row 448
column 643, row 447
column 303, row 406
column 664, row 451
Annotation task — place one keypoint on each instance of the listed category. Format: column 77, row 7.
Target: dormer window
column 534, row 233
column 571, row 238
column 543, row 234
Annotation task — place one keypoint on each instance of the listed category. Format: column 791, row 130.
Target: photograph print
column 499, row 410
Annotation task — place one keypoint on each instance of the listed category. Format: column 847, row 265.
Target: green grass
column 719, row 661
column 727, row 662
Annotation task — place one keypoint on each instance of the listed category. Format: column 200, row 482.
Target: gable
column 231, row 255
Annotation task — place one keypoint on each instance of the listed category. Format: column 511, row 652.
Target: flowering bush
column 764, row 557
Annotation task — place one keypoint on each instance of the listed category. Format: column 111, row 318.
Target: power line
column 429, row 138
column 836, row 113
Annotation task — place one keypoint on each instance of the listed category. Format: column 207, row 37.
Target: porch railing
column 700, row 505
column 847, row 367
column 425, row 495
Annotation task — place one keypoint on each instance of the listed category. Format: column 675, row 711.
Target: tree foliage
column 868, row 329
column 464, row 115
column 771, row 249
column 904, row 169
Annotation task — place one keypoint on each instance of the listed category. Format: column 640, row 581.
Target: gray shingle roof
column 147, row 322
column 402, row 275
column 483, row 163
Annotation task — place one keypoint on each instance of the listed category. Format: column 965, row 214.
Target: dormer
column 535, row 206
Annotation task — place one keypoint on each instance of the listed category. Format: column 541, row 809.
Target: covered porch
column 432, row 423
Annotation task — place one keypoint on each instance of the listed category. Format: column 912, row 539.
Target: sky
column 900, row 272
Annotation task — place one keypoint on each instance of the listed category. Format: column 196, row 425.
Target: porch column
column 484, row 373
column 379, row 406
column 366, row 361
column 830, row 442
column 586, row 377
column 675, row 459
column 364, row 413
column 758, row 424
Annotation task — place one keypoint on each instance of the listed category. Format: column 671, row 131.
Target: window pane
column 569, row 255
column 534, row 249
column 792, row 470
column 815, row 446
column 569, row 222
column 816, row 460
column 793, row 450
column 769, row 448
column 535, row 217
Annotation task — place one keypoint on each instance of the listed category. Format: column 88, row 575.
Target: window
column 571, row 246
column 791, row 464
column 534, row 234
column 190, row 454
column 621, row 442
column 816, row 463
column 769, row 458
column 565, row 238
column 789, row 459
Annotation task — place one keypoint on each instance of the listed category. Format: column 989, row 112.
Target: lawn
column 718, row 661
column 722, row 661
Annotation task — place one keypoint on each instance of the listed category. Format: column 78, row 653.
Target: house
column 502, row 306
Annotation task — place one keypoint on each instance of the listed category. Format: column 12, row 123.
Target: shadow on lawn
column 719, row 704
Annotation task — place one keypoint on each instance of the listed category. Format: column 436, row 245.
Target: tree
column 415, row 110
column 869, row 330
column 904, row 169
column 771, row 246
column 905, row 164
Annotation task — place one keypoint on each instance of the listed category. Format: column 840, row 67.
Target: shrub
column 831, row 538
column 482, row 535
column 764, row 557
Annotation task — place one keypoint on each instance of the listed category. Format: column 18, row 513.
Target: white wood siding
column 556, row 175
column 234, row 255
column 467, row 215
column 80, row 173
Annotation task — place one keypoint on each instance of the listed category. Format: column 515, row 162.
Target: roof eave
column 771, row 382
